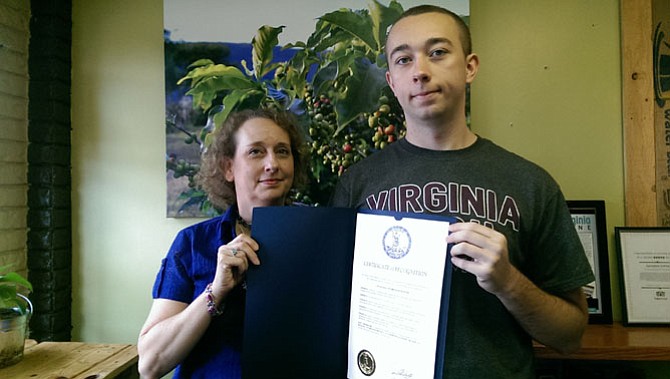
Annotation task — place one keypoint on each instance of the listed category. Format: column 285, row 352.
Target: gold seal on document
column 366, row 363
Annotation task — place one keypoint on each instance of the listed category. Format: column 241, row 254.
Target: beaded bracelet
column 211, row 305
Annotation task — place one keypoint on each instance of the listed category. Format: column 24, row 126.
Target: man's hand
column 482, row 252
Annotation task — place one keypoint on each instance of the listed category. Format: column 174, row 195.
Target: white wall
column 118, row 168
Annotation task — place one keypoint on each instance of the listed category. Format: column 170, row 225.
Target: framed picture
column 644, row 268
column 227, row 33
column 590, row 223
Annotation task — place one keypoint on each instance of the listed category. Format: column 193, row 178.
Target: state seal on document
column 397, row 242
column 366, row 362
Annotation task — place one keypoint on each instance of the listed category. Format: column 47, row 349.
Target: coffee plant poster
column 222, row 32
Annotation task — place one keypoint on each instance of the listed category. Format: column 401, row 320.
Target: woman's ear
column 227, row 168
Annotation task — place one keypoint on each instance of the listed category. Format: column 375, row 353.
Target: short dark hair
column 466, row 38
column 211, row 178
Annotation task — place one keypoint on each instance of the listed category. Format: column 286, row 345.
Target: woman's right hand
column 233, row 260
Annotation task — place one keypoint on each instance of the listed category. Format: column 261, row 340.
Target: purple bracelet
column 211, row 305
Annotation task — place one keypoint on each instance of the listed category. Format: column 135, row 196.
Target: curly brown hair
column 211, row 177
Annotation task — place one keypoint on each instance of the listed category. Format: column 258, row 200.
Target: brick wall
column 49, row 179
column 35, row 208
column 14, row 39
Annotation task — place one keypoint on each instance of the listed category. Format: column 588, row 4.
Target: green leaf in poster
column 206, row 71
column 356, row 24
column 234, row 101
column 382, row 17
column 262, row 44
column 363, row 89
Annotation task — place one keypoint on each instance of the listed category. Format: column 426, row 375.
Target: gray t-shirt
column 487, row 184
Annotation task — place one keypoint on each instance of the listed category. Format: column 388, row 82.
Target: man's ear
column 389, row 81
column 471, row 67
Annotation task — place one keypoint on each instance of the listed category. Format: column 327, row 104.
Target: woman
column 195, row 322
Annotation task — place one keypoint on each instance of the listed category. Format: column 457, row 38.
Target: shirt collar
column 228, row 220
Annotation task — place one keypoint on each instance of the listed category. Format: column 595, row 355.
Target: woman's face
column 262, row 168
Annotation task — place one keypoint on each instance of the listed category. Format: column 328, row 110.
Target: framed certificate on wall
column 590, row 223
column 644, row 266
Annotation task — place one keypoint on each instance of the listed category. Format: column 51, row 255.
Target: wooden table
column 617, row 343
column 75, row 360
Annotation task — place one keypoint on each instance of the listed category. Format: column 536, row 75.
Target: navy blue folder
column 298, row 300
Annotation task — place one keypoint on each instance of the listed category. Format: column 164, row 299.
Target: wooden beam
column 638, row 113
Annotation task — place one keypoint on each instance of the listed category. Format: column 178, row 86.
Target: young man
column 520, row 263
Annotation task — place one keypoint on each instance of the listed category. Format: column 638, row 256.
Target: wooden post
column 638, row 113
column 661, row 61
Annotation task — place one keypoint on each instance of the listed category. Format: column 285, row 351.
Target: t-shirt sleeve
column 173, row 281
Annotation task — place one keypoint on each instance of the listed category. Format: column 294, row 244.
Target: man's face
column 428, row 69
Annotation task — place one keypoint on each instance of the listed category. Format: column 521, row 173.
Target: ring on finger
column 233, row 251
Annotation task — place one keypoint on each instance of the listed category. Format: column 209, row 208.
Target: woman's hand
column 233, row 260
